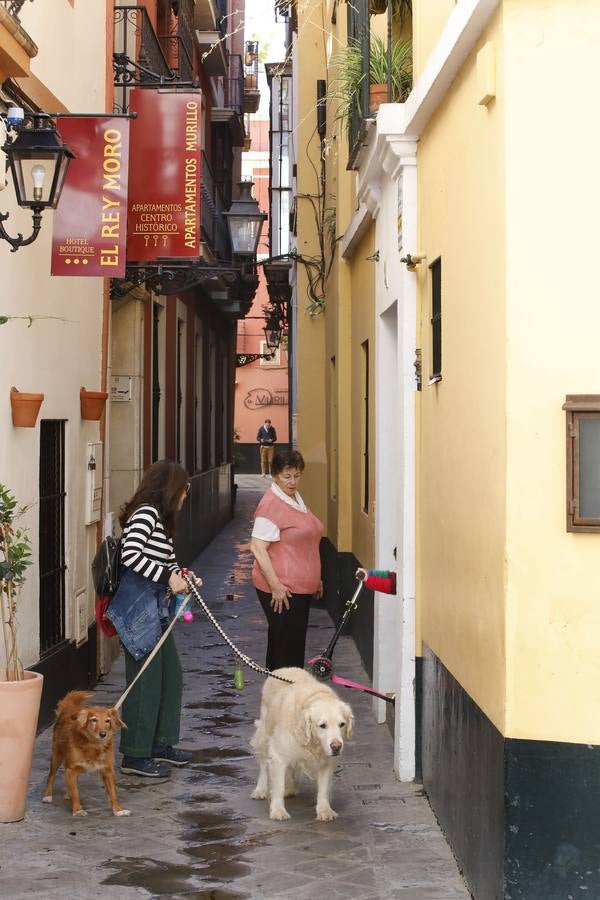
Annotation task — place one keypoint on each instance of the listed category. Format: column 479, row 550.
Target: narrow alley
column 198, row 834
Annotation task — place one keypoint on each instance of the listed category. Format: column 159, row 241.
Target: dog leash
column 245, row 659
column 193, row 590
column 159, row 644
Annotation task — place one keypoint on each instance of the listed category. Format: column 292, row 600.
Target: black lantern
column 245, row 220
column 272, row 336
column 38, row 162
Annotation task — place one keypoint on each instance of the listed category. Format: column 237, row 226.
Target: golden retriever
column 302, row 725
column 82, row 742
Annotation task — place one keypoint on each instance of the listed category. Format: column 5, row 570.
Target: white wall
column 61, row 351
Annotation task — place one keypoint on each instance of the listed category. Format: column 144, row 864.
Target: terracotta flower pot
column 92, row 404
column 377, row 95
column 25, row 408
column 19, row 710
column 250, row 82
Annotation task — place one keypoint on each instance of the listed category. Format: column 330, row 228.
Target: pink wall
column 261, row 388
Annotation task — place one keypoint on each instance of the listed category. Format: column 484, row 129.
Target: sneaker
column 171, row 755
column 143, row 765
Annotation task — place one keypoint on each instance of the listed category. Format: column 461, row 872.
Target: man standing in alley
column 266, row 437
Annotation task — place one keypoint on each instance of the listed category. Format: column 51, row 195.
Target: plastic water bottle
column 238, row 677
column 187, row 614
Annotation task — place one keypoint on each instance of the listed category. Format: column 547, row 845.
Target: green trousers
column 152, row 711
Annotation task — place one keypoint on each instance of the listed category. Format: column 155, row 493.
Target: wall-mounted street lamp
column 38, row 162
column 272, row 337
column 244, row 220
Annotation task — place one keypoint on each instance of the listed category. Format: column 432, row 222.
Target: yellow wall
column 363, row 329
column 327, row 422
column 461, row 494
column 429, row 19
column 311, row 358
column 553, row 321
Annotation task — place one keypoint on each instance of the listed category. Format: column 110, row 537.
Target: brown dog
column 83, row 742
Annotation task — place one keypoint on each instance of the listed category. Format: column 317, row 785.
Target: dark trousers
column 287, row 631
column 152, row 711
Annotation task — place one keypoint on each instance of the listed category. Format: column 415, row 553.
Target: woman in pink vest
column 287, row 568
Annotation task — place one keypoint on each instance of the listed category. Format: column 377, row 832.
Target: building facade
column 54, row 342
column 480, row 442
column 174, row 339
column 160, row 339
column 261, row 378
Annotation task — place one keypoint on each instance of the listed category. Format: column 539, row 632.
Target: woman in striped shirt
column 152, row 711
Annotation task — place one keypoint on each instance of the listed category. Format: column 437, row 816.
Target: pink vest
column 295, row 556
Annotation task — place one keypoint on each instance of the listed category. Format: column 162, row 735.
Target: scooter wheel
column 322, row 668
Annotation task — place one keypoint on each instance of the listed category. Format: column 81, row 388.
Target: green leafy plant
column 401, row 66
column 349, row 75
column 15, row 559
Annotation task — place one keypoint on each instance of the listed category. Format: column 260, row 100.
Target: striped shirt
column 145, row 547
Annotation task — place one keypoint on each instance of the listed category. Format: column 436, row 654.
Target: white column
column 404, row 742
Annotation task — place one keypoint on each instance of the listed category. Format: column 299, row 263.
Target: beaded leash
column 193, row 590
column 246, row 659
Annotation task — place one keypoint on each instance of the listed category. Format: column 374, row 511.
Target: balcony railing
column 235, row 84
column 138, row 58
column 214, row 227
column 143, row 59
column 13, row 7
column 358, row 31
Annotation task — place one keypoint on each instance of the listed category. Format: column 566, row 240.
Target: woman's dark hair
column 162, row 485
column 284, row 459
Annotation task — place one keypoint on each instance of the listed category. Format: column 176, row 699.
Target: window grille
column 436, row 319
column 364, row 421
column 52, row 564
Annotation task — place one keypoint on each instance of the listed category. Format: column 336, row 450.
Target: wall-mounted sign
column 257, row 398
column 90, row 222
column 120, row 387
column 164, row 177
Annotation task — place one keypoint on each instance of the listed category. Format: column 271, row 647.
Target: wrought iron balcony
column 139, row 59
column 251, row 91
column 213, row 225
column 179, row 45
column 231, row 113
column 235, row 84
column 358, row 31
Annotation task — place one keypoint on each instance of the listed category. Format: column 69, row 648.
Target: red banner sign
column 90, row 222
column 164, row 177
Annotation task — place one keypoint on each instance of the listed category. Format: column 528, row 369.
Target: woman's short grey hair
column 287, row 459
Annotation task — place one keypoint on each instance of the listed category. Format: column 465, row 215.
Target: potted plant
column 92, row 404
column 401, row 82
column 350, row 73
column 20, row 690
column 25, row 408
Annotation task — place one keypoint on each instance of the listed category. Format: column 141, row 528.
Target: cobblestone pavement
column 198, row 834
